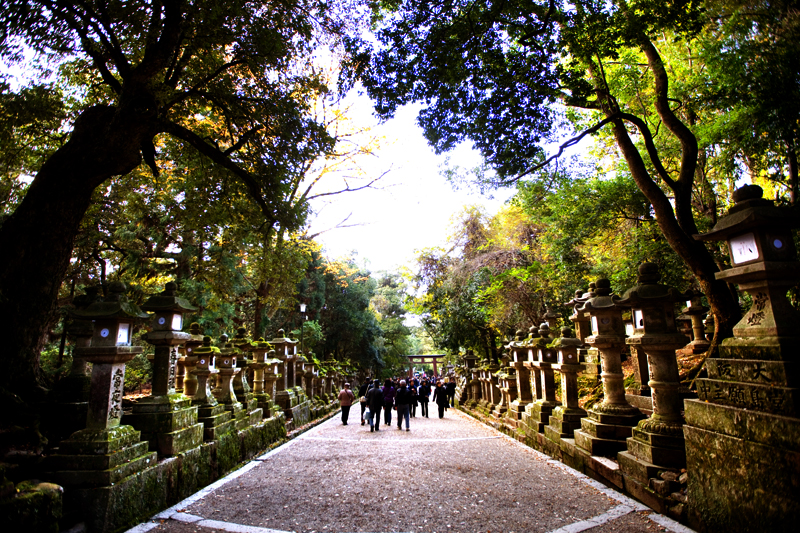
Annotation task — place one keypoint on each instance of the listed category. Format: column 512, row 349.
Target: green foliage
column 138, row 372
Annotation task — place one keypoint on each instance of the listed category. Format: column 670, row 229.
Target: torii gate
column 424, row 359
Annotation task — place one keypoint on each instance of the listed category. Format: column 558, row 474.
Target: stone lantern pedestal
column 545, row 358
column 264, row 376
column 609, row 424
column 566, row 418
column 743, row 432
column 212, row 414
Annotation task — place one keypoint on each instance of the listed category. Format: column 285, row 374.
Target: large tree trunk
column 36, row 241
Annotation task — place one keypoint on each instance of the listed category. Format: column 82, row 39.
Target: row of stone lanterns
column 747, row 404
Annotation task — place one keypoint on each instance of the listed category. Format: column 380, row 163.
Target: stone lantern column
column 105, row 452
column 609, row 423
column 658, row 440
column 259, row 364
column 566, row 418
column 215, row 419
column 167, row 419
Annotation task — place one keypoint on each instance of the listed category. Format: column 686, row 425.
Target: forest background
column 160, row 141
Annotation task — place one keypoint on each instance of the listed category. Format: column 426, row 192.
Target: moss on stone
column 34, row 507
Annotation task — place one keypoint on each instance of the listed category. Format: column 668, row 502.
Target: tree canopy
column 509, row 76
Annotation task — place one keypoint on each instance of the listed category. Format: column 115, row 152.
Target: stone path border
column 625, row 506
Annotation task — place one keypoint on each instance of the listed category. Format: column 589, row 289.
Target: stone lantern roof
column 750, row 211
column 168, row 301
column 649, row 290
column 603, row 299
column 114, row 306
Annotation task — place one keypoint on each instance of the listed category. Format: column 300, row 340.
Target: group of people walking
column 396, row 395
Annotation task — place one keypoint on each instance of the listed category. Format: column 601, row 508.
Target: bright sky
column 409, row 209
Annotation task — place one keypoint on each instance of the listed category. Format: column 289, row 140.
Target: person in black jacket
column 440, row 397
column 414, row 399
column 375, row 402
column 403, row 402
column 451, row 391
column 424, row 397
column 362, row 391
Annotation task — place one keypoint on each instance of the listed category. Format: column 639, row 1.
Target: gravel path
column 449, row 475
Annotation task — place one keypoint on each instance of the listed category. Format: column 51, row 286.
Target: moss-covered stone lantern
column 105, row 452
column 519, row 351
column 284, row 347
column 215, row 419
column 566, row 418
column 241, row 386
column 743, row 431
column 226, row 365
column 610, row 422
column 167, row 419
column 657, row 440
column 545, row 357
column 190, row 359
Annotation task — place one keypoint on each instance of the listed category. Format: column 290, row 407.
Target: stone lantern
column 545, row 357
column 658, row 440
column 519, row 352
column 504, row 384
column 566, row 418
column 215, row 419
column 311, row 374
column 240, row 384
column 190, row 359
column 259, row 350
column 69, row 397
column 285, row 350
column 226, row 365
column 271, row 374
column 695, row 310
column 743, row 432
column 105, row 452
column 167, row 419
column 609, row 423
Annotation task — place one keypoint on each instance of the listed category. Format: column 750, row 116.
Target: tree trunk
column 37, row 239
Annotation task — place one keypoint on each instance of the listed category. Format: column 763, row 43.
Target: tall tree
column 497, row 73
column 152, row 68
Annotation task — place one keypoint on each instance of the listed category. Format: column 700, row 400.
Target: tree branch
column 218, row 157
